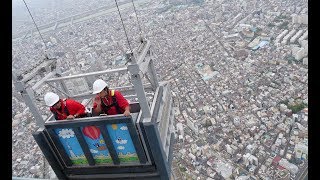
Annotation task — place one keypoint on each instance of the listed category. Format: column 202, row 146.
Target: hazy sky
column 19, row 8
column 47, row 11
column 39, row 8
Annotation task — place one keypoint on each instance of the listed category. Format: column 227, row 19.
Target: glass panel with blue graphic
column 96, row 144
column 119, row 136
column 122, row 142
column 71, row 146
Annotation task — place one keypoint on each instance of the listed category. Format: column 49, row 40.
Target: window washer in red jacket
column 64, row 108
column 108, row 101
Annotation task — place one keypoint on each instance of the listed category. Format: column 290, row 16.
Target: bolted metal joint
column 134, row 69
column 137, row 75
column 129, row 57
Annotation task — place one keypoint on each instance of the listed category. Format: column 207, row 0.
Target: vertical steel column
column 138, row 87
column 28, row 95
column 136, row 75
column 153, row 74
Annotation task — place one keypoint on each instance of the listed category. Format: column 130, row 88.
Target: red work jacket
column 68, row 107
column 122, row 102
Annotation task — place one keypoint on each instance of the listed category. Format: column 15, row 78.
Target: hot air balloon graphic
column 94, row 133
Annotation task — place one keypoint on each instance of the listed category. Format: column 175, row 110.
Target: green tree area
column 297, row 107
column 290, row 58
column 183, row 169
column 284, row 25
column 281, row 17
column 294, row 107
column 271, row 25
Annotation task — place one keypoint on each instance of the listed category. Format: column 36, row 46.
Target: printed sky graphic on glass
column 119, row 135
column 122, row 142
column 71, row 145
column 97, row 145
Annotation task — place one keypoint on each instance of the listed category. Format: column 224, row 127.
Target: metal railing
column 85, row 148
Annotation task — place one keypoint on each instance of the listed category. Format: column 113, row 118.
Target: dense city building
column 238, row 71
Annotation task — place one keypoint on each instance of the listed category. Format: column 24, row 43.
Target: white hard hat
column 98, row 86
column 51, row 98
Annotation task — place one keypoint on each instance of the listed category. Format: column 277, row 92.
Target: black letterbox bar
column 108, row 141
column 84, row 145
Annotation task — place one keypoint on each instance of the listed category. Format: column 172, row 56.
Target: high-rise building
column 291, row 167
column 300, row 149
column 305, row 61
column 193, row 125
column 288, row 36
column 250, row 159
column 281, row 35
column 296, row 36
column 303, row 37
column 301, row 53
column 300, row 19
column 282, row 174
column 180, row 129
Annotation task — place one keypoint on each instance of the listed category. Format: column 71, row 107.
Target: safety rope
column 123, row 26
column 134, row 8
column 35, row 25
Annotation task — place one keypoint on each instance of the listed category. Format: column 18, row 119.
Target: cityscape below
column 238, row 71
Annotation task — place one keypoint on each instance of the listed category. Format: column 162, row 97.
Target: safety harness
column 106, row 108
column 66, row 111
